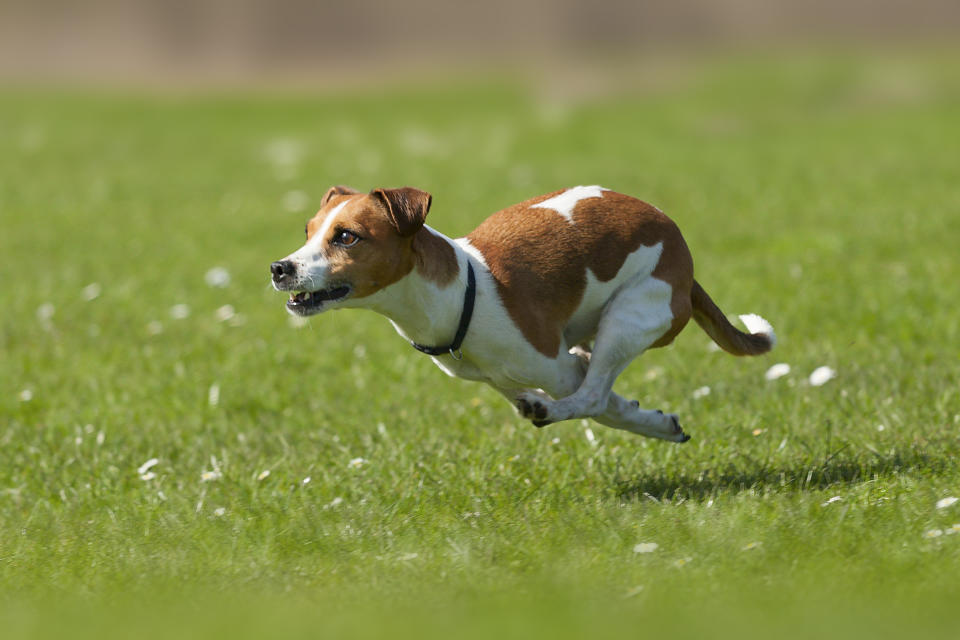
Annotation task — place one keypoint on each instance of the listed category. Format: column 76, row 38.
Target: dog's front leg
column 538, row 416
column 565, row 378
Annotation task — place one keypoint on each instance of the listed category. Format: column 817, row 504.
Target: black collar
column 454, row 347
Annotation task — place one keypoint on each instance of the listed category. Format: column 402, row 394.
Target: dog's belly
column 532, row 374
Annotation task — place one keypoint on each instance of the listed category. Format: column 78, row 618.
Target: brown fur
column 390, row 223
column 337, row 190
column 539, row 260
column 435, row 258
column 406, row 207
column 381, row 258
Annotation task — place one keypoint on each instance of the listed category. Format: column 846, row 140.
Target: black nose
column 281, row 270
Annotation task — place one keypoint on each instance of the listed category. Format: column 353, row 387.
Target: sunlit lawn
column 327, row 479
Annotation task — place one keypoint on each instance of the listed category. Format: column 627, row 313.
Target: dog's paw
column 676, row 431
column 532, row 408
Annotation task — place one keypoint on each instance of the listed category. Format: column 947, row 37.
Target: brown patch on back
column 434, row 257
column 539, row 259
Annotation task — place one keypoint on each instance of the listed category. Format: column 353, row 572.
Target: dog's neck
column 421, row 309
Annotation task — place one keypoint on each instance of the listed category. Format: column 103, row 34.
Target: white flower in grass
column 91, row 291
column 334, row 503
column 284, row 153
column 154, row 328
column 777, row 371
column 933, row 533
column 306, row 481
column 217, row 277
column 146, row 466
column 26, row 395
column 701, row 392
column 149, row 475
column 295, row 201
column 213, row 395
column 943, row 503
column 179, row 311
column 952, row 529
column 297, row 322
column 645, row 547
column 653, row 373
column 356, row 463
column 211, row 476
column 682, row 562
column 832, row 500
column 224, row 313
column 263, row 475
column 750, row 545
column 592, row 439
column 635, row 591
column 45, row 312
column 219, row 511
column 821, row 376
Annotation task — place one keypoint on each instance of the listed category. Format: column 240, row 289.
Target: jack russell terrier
column 517, row 302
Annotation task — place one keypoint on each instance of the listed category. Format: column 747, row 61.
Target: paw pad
column 533, row 410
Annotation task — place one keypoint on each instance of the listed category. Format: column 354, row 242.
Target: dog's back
column 558, row 258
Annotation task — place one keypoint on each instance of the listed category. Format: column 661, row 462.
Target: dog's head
column 357, row 244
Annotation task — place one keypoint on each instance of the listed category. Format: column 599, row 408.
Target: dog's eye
column 346, row 238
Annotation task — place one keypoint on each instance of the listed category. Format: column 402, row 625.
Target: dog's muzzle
column 282, row 272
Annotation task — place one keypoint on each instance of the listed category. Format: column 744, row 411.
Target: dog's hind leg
column 635, row 319
column 627, row 415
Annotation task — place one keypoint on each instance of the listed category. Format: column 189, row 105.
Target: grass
column 818, row 191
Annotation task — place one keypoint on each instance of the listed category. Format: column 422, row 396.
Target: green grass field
column 329, row 480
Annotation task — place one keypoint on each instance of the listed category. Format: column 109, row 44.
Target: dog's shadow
column 816, row 473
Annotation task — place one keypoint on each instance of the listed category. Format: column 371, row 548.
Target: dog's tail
column 712, row 320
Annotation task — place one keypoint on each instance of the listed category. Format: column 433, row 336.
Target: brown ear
column 338, row 190
column 407, row 207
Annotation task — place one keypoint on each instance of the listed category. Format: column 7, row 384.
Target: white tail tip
column 756, row 324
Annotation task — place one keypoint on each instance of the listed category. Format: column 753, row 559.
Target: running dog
column 518, row 301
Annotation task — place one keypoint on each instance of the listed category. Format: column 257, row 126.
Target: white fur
column 756, row 324
column 625, row 315
column 566, row 201
column 311, row 261
column 583, row 323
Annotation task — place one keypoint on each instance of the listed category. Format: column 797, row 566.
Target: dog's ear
column 407, row 207
column 338, row 190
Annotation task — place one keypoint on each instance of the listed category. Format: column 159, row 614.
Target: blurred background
column 320, row 44
column 165, row 427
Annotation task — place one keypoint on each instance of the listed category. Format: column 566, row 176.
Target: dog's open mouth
column 307, row 302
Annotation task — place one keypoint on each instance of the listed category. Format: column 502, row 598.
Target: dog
column 517, row 302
